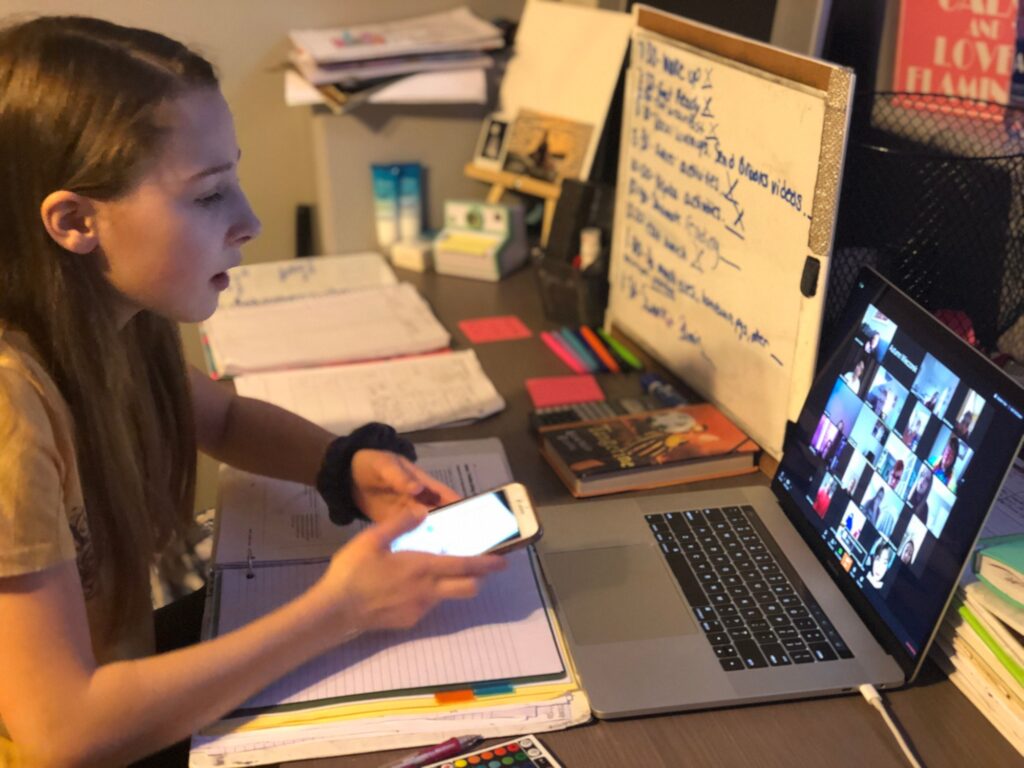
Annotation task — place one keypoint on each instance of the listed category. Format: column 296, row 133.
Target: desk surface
column 945, row 728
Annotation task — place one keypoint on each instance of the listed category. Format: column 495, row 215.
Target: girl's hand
column 367, row 586
column 385, row 484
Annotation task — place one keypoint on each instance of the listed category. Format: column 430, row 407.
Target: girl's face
column 168, row 242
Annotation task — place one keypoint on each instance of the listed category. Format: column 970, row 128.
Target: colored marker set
column 586, row 350
column 524, row 752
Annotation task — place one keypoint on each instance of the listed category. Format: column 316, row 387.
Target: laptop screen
column 900, row 449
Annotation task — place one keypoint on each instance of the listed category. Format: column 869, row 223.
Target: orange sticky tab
column 454, row 697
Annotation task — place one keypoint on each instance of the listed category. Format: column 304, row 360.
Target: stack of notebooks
column 437, row 53
column 980, row 644
column 498, row 664
column 339, row 341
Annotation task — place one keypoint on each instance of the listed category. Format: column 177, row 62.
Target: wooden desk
column 840, row 731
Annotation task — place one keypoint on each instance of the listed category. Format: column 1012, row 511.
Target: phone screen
column 468, row 527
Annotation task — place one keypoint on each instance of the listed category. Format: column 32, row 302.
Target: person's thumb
column 395, row 525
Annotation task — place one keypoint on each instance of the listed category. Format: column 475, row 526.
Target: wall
column 247, row 41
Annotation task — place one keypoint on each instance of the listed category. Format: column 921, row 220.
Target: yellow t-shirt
column 42, row 514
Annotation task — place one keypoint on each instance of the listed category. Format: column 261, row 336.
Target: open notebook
column 377, row 691
column 407, row 393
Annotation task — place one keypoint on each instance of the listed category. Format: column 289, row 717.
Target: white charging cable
column 874, row 698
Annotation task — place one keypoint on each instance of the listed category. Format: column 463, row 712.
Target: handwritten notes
column 713, row 218
column 302, row 278
column 408, row 393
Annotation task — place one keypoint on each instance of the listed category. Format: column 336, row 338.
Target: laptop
column 838, row 574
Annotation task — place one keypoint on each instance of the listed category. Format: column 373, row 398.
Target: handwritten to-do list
column 717, row 174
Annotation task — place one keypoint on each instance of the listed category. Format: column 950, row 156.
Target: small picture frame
column 492, row 145
column 546, row 147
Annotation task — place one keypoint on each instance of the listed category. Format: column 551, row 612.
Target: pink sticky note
column 481, row 330
column 562, row 390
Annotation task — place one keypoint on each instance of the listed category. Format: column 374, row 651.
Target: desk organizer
column 933, row 198
column 571, row 296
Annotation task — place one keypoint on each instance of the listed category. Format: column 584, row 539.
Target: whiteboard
column 725, row 206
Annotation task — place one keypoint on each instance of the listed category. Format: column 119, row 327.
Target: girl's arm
column 267, row 440
column 255, row 435
column 61, row 709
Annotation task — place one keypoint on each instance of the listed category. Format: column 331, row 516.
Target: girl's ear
column 70, row 219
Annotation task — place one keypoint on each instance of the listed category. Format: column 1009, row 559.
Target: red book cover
column 961, row 48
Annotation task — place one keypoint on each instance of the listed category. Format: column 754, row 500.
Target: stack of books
column 981, row 641
column 350, row 65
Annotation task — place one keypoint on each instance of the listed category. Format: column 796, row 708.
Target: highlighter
column 624, row 354
column 577, row 346
column 599, row 349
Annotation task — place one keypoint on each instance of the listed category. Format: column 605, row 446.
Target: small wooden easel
column 501, row 181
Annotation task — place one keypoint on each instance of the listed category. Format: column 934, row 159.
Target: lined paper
column 409, row 394
column 503, row 633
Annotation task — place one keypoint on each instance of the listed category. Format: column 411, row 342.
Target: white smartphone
column 494, row 521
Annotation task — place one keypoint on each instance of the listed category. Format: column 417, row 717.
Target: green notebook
column 999, row 563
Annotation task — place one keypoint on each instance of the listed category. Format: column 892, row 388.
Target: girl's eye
column 210, row 199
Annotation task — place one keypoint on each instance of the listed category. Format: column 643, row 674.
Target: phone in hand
column 496, row 521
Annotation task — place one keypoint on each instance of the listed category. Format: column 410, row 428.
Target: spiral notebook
column 274, row 539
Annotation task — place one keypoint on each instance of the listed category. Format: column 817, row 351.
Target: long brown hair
column 78, row 98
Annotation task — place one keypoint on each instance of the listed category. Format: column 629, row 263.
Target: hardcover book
column 647, row 450
column 956, row 49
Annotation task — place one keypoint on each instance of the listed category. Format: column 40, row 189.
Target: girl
column 121, row 212
column 943, row 465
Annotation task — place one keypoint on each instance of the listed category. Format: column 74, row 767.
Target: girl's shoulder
column 23, row 379
column 39, row 483
column 32, row 407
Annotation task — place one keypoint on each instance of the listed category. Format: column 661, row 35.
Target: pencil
column 627, row 357
column 599, row 349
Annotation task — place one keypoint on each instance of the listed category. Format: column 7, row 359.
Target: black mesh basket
column 933, row 198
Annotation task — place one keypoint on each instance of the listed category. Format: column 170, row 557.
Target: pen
column 442, row 751
column 661, row 390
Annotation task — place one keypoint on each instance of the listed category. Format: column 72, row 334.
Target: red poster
column 956, row 48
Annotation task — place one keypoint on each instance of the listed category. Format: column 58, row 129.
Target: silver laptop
column 837, row 574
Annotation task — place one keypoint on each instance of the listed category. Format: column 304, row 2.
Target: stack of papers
column 282, row 328
column 441, row 54
column 980, row 643
column 373, row 693
column 409, row 394
column 306, row 277
column 365, row 324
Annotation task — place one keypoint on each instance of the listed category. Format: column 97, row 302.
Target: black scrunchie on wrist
column 334, row 480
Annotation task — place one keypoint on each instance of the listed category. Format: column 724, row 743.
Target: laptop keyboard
column 752, row 606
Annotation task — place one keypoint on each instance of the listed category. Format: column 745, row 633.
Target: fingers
column 448, row 566
column 386, row 531
column 461, row 588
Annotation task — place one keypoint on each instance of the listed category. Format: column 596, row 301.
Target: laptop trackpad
column 616, row 594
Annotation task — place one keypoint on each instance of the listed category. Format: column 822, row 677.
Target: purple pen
column 444, row 750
